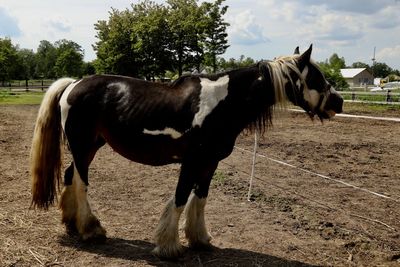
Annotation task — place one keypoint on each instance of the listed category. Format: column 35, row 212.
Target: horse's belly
column 149, row 149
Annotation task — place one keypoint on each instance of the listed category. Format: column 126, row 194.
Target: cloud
column 389, row 54
column 367, row 7
column 8, row 25
column 58, row 24
column 244, row 30
column 387, row 18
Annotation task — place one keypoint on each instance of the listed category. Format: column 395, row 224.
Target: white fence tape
column 313, row 173
column 358, row 116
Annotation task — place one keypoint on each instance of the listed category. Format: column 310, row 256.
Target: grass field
column 7, row 97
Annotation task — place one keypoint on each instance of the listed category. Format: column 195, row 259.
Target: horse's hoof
column 200, row 243
column 168, row 252
column 71, row 229
column 97, row 235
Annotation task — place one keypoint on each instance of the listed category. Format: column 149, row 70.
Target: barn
column 357, row 76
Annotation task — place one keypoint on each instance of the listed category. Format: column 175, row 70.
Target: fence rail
column 387, row 97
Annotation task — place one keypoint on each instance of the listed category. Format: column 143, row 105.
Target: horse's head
column 305, row 86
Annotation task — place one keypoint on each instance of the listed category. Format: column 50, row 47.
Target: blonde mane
column 279, row 71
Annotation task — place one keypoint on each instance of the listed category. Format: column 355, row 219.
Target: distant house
column 357, row 76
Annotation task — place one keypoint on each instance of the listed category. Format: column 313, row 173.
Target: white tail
column 46, row 150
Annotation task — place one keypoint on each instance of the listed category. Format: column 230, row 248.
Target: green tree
column 233, row 63
column 215, row 34
column 337, row 62
column 46, row 57
column 152, row 38
column 381, row 70
column 360, row 65
column 69, row 60
column 88, row 68
column 185, row 21
column 115, row 48
column 26, row 64
column 8, row 58
column 331, row 69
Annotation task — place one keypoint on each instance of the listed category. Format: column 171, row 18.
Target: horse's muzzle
column 333, row 105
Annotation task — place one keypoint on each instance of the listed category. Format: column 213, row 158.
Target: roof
column 350, row 73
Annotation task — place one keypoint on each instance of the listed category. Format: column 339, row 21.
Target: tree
column 235, row 63
column 152, row 36
column 115, row 53
column 26, row 64
column 331, row 70
column 69, row 60
column 184, row 21
column 8, row 58
column 215, row 34
column 46, row 57
column 360, row 65
column 381, row 70
column 151, row 39
column 337, row 62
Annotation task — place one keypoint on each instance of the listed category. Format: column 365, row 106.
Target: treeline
column 50, row 61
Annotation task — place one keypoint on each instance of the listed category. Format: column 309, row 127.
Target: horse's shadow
column 138, row 250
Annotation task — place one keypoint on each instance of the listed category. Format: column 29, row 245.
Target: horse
column 193, row 121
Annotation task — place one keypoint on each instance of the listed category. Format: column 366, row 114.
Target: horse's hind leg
column 195, row 226
column 76, row 213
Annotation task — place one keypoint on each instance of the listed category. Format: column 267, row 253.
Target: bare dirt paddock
column 350, row 216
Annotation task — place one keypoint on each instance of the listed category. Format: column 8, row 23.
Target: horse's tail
column 46, row 150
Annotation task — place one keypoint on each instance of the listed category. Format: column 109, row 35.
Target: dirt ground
column 347, row 216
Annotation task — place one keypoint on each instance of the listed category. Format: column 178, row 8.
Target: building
column 357, row 77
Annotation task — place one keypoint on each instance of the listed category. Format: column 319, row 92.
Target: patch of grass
column 20, row 98
column 219, row 177
column 377, row 109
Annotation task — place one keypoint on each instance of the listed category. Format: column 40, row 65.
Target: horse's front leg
column 195, row 226
column 167, row 236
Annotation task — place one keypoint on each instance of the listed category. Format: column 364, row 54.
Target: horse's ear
column 304, row 59
column 297, row 51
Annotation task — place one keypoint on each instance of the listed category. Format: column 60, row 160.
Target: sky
column 260, row 29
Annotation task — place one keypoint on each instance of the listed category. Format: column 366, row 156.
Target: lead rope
column 253, row 167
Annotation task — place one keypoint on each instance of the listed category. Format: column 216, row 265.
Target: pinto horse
column 193, row 121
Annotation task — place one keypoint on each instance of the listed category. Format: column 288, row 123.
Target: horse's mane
column 278, row 72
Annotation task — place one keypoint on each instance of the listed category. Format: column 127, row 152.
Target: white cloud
column 244, row 30
column 389, row 55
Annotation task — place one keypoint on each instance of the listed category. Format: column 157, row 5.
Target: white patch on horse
column 312, row 97
column 122, row 92
column 167, row 131
column 212, row 92
column 64, row 103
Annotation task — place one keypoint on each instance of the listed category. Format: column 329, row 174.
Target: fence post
column 388, row 96
column 253, row 165
column 353, row 96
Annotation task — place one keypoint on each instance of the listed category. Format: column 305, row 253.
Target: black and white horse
column 193, row 121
